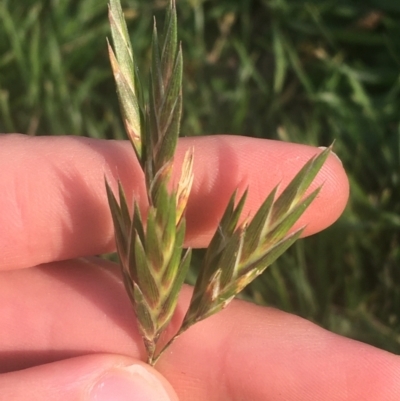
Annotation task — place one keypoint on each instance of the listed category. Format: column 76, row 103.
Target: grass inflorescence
column 304, row 71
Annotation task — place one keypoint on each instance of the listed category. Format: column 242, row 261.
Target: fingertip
column 224, row 163
column 133, row 382
column 88, row 378
column 332, row 199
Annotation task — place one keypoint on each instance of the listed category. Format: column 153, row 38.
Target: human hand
column 70, row 326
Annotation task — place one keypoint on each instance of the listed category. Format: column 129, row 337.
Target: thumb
column 87, row 378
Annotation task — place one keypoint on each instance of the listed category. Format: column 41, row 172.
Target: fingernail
column 133, row 383
column 332, row 153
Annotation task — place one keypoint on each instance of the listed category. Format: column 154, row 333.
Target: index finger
column 54, row 206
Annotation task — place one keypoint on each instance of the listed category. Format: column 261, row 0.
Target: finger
column 54, row 207
column 254, row 353
column 245, row 352
column 87, row 378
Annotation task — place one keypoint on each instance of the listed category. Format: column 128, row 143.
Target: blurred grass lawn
column 303, row 71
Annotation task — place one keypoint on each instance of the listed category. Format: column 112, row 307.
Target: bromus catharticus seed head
column 153, row 261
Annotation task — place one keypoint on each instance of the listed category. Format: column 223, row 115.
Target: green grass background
column 303, row 71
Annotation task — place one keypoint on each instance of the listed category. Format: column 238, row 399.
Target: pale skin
column 69, row 322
